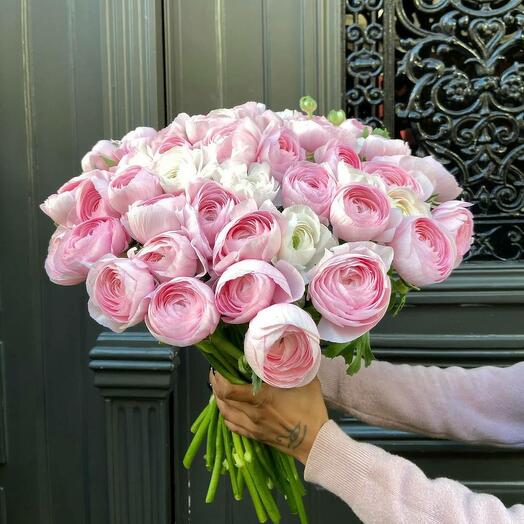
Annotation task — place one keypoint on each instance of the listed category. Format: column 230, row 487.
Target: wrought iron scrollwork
column 364, row 59
column 459, row 93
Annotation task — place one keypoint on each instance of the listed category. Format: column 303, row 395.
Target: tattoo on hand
column 294, row 436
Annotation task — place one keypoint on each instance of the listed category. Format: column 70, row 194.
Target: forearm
column 384, row 488
column 480, row 405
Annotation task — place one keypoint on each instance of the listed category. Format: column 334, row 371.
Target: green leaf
column 399, row 293
column 315, row 315
column 353, row 352
column 243, row 366
column 257, row 383
column 367, row 353
column 365, row 132
column 433, row 200
column 335, row 349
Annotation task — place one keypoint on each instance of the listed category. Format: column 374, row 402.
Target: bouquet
column 264, row 239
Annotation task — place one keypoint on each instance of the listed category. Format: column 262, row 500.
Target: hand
column 287, row 419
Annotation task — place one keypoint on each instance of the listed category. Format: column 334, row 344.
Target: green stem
column 240, row 482
column 226, row 437
column 211, row 435
column 227, row 364
column 199, row 419
column 296, row 476
column 296, row 490
column 210, row 350
column 218, row 366
column 215, row 475
column 226, row 346
column 259, row 508
column 197, row 439
column 283, row 475
column 260, row 480
column 265, row 461
column 248, row 447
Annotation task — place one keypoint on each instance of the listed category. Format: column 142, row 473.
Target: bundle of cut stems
column 250, row 465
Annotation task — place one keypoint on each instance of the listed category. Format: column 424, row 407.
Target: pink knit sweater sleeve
column 481, row 405
column 382, row 488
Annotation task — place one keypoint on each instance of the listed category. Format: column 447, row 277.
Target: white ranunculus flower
column 408, row 202
column 143, row 157
column 289, row 114
column 347, row 175
column 179, row 166
column 304, row 239
column 256, row 182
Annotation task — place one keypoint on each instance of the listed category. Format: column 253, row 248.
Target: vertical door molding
column 324, row 53
column 269, row 51
column 132, row 64
column 134, row 374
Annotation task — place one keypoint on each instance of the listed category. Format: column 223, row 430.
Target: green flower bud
column 336, row 117
column 381, row 131
column 308, row 104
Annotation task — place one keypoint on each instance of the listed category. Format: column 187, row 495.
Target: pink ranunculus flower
column 336, row 151
column 360, row 212
column 245, row 141
column 353, row 128
column 61, row 206
column 73, row 251
column 131, row 184
column 455, row 216
column 282, row 346
column 169, row 141
column 424, row 251
column 376, row 145
column 394, row 176
column 213, row 205
column 199, row 126
column 104, row 155
column 445, row 185
column 182, row 312
column 310, row 184
column 256, row 235
column 251, row 109
column 280, row 148
column 169, row 255
column 248, row 286
column 312, row 133
column 350, row 288
column 221, row 137
column 119, row 291
column 145, row 219
column 174, row 135
column 136, row 139
column 92, row 197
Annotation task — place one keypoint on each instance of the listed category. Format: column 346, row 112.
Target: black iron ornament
column 364, row 60
column 449, row 75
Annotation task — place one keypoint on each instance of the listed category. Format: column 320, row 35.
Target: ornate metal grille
column 448, row 75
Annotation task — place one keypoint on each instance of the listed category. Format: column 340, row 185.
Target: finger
column 225, row 390
column 252, row 411
column 236, row 416
column 237, row 429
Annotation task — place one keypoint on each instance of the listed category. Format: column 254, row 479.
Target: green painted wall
column 98, row 438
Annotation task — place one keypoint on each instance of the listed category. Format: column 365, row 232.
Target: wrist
column 302, row 452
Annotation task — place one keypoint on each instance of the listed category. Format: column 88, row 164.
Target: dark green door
column 71, row 452
column 52, row 443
